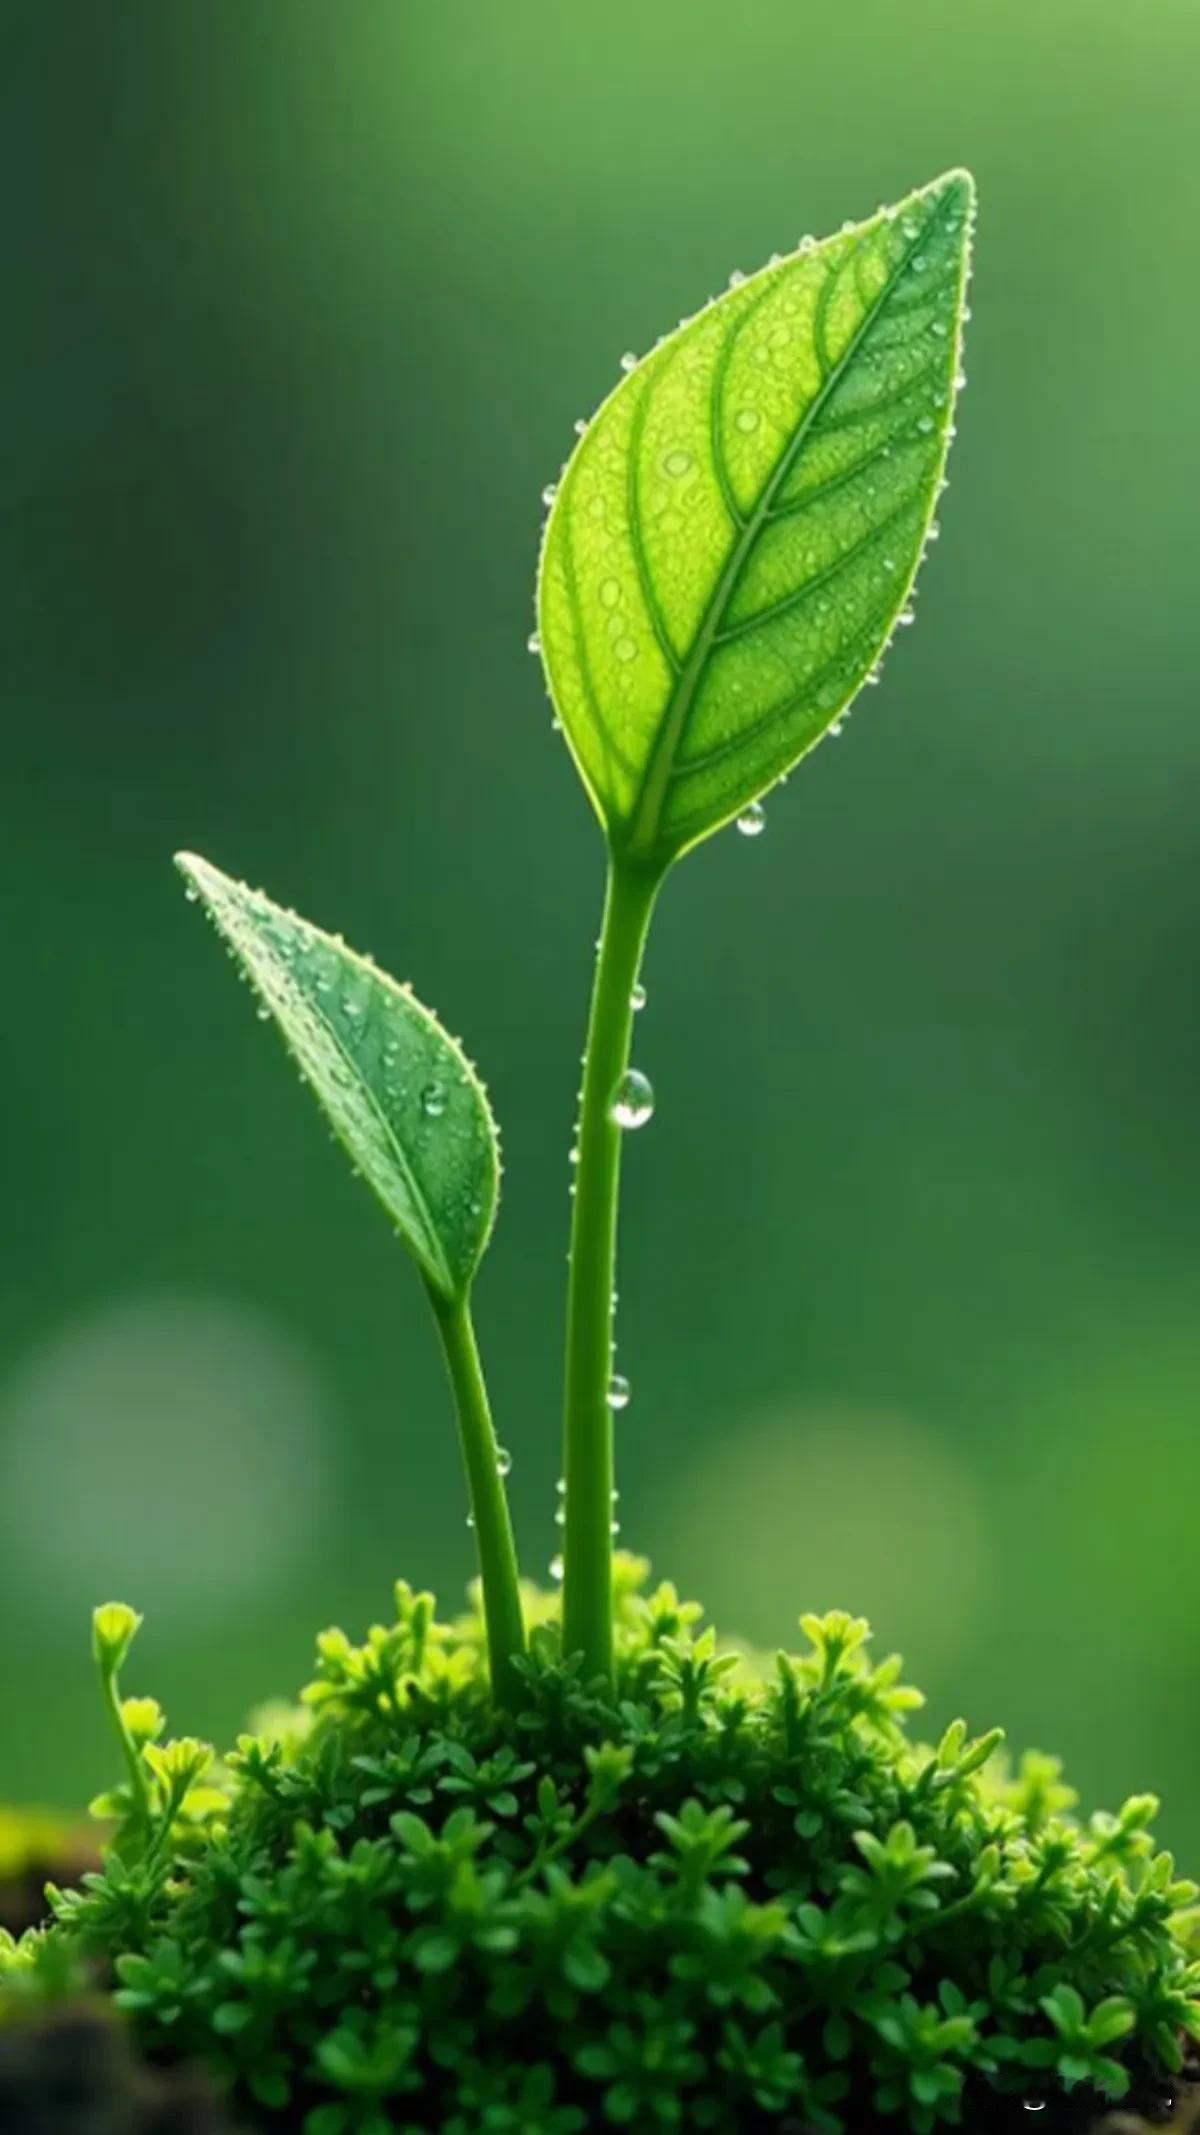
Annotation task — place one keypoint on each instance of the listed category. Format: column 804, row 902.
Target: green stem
column 588, row 1426
column 129, row 1751
column 489, row 1499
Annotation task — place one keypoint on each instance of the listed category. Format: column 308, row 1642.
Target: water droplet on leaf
column 618, row 1391
column 752, row 820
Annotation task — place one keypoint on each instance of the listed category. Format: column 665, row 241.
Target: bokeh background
column 301, row 302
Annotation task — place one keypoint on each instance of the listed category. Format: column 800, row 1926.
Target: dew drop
column 629, row 361
column 1033, row 2105
column 192, row 893
column 625, row 649
column 747, row 419
column 736, row 278
column 637, row 999
column 433, row 1100
column 633, row 1100
column 533, row 642
column 906, row 617
column 560, row 1515
column 614, row 1527
column 610, row 592
column 924, row 424
column 549, row 492
column 618, row 1391
column 557, row 1568
column 470, row 1519
column 580, row 426
column 561, row 1486
column 503, row 1461
column 677, row 462
column 753, row 820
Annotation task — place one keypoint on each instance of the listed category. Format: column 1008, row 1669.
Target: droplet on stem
column 752, row 820
column 633, row 1100
column 618, row 1391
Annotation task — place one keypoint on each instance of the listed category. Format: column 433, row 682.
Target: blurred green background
column 301, row 303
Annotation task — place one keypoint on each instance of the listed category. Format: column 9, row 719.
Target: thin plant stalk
column 503, row 1615
column 588, row 1421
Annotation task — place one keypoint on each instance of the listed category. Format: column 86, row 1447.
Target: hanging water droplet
column 470, row 1519
column 736, row 278
column 752, row 820
column 433, row 1100
column 618, row 1391
column 533, row 642
column 503, row 1461
column 549, row 492
column 633, row 1100
column 637, row 999
column 561, row 1486
column 629, row 361
column 580, row 425
column 557, row 1568
column 192, row 893
column 906, row 617
column 263, row 1013
column 1033, row 2105
column 614, row 1527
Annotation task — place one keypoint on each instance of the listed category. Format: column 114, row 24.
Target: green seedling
column 730, row 550
column 567, row 1861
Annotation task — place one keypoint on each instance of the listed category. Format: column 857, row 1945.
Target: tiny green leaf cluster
column 720, row 1893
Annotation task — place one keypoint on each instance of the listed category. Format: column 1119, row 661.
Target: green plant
column 542, row 1866
column 711, row 1892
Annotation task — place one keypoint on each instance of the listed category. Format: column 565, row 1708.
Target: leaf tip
column 954, row 189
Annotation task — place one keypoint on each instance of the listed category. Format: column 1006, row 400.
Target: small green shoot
column 413, row 1117
column 733, row 543
column 730, row 550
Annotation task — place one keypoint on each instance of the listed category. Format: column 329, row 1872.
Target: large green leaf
column 401, row 1096
column 738, row 529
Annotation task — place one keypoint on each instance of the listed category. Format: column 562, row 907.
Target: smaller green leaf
column 401, row 1096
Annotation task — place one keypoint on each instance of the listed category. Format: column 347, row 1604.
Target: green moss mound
column 730, row 1895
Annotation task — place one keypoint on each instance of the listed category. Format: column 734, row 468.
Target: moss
column 729, row 1894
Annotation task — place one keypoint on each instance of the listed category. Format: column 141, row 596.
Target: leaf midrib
column 647, row 811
